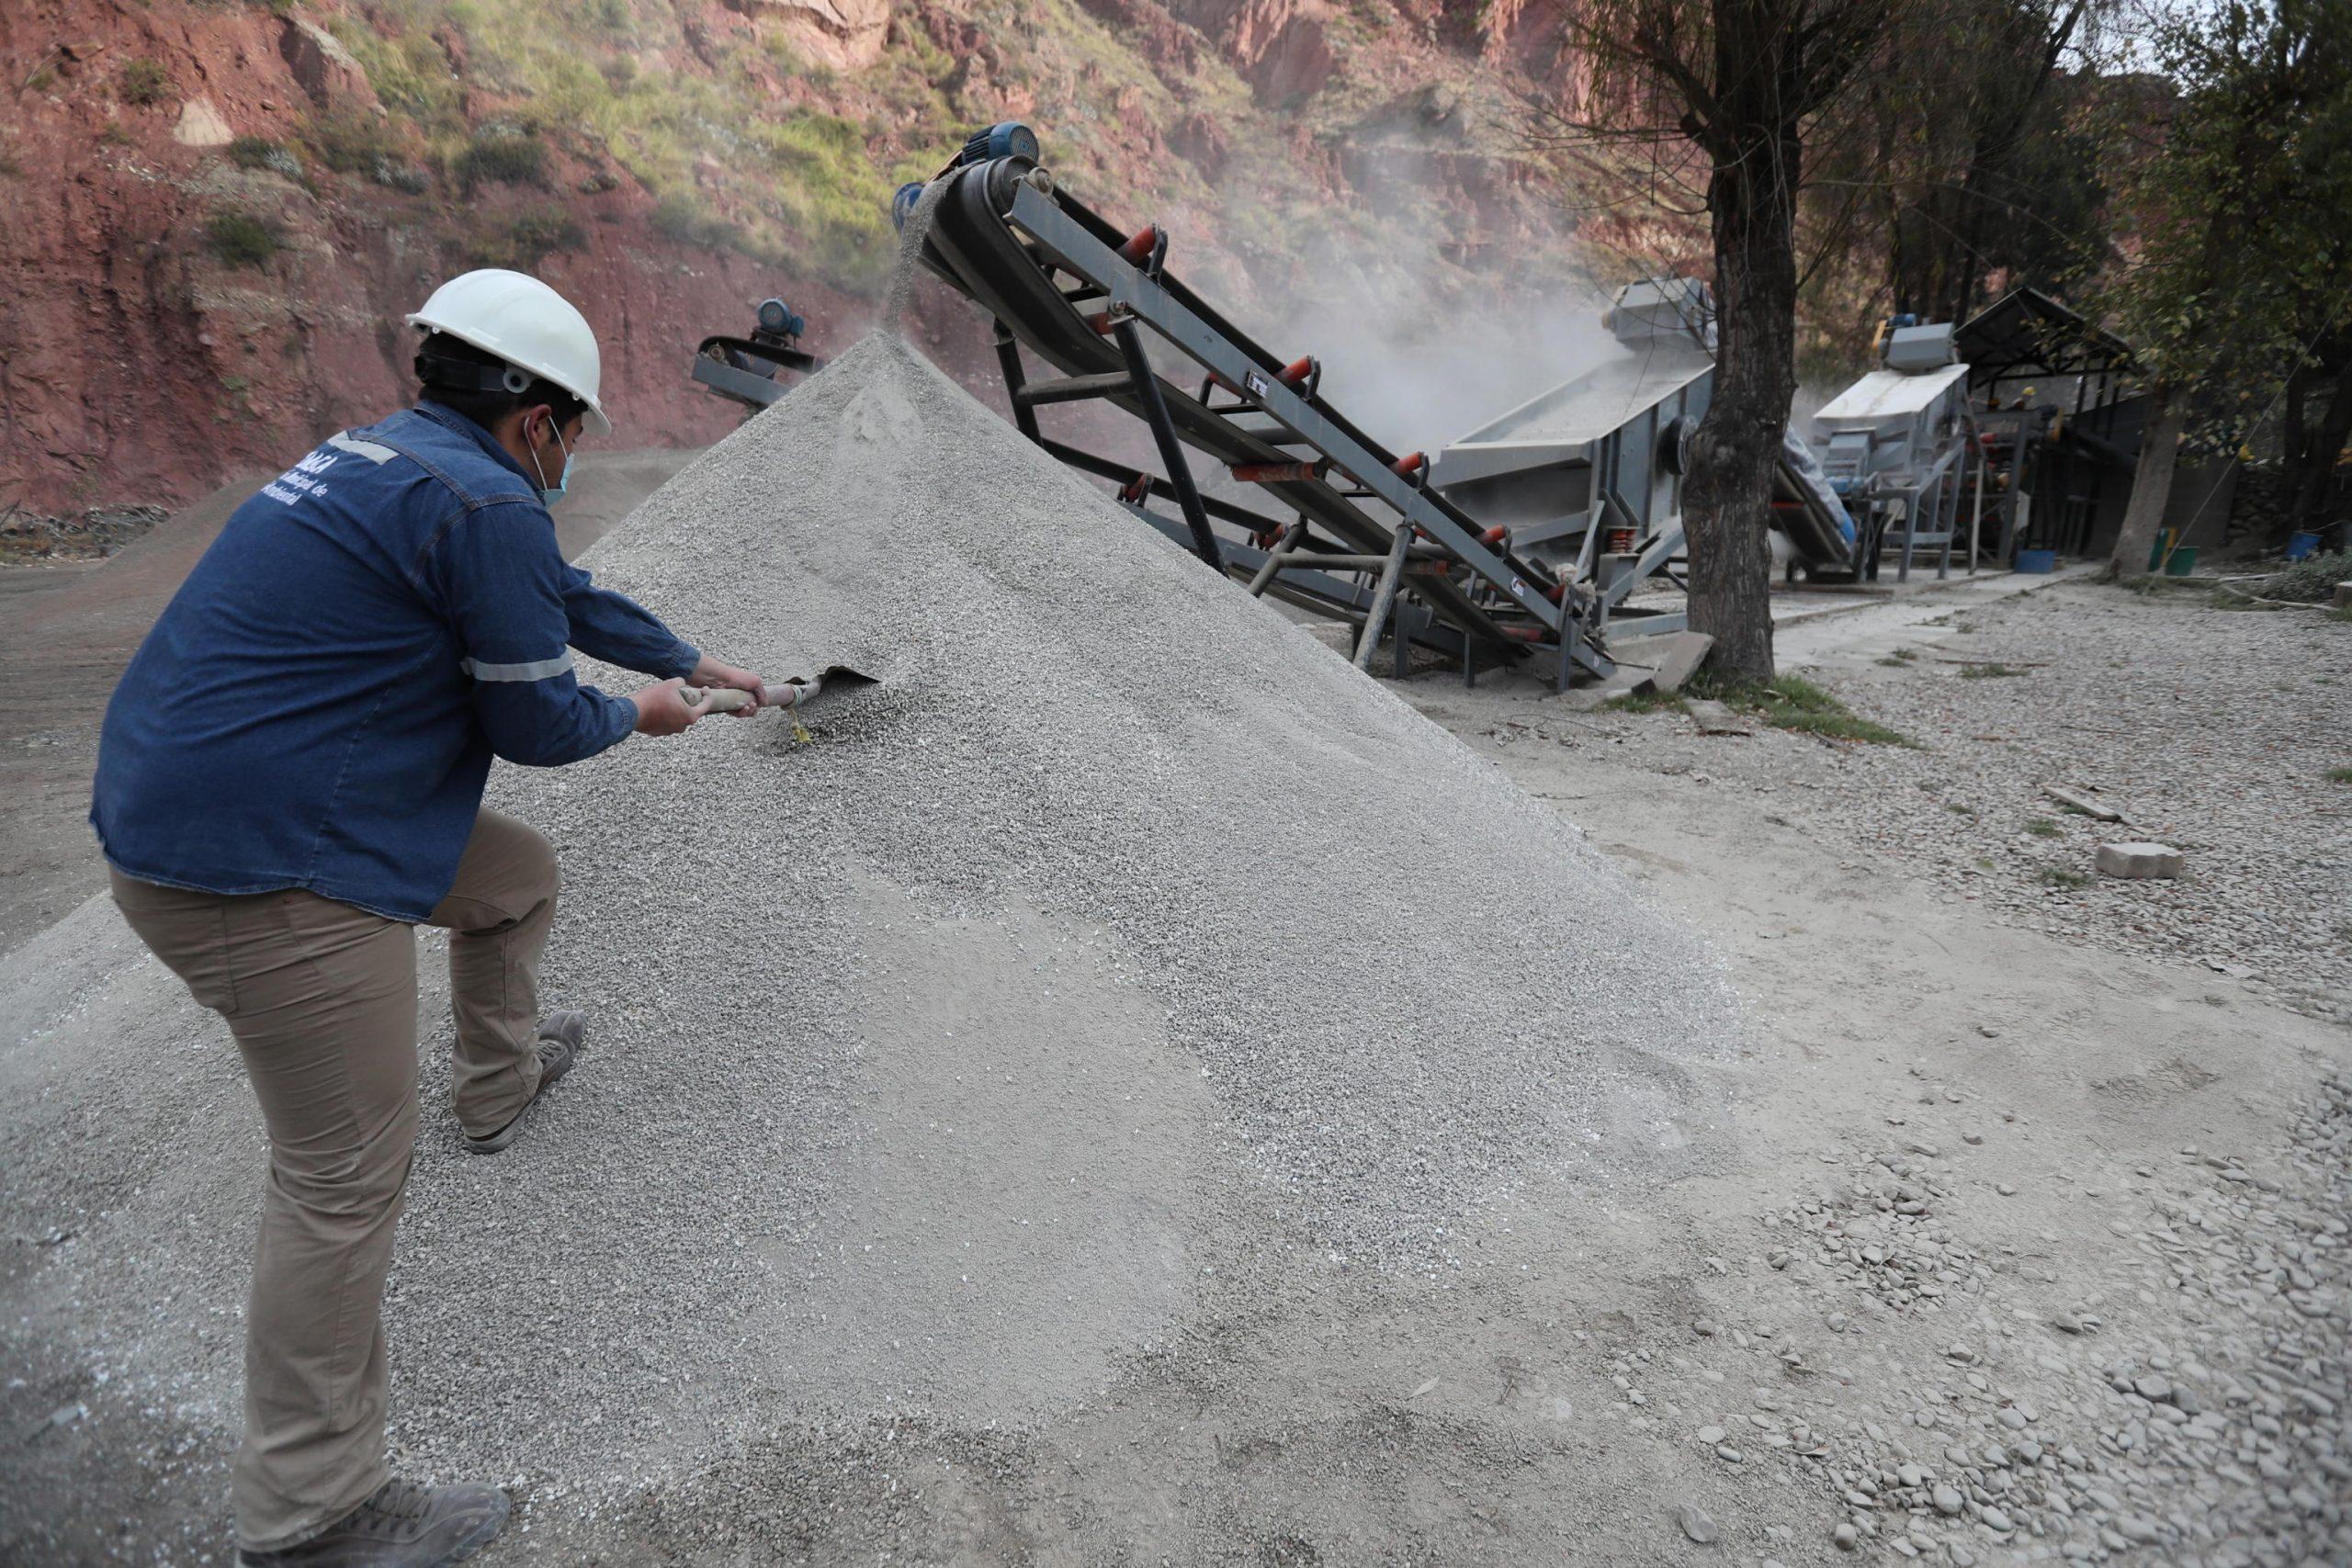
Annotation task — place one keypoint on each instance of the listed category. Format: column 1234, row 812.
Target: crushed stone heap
column 1121, row 939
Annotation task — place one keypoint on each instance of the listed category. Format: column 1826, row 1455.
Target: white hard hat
column 526, row 323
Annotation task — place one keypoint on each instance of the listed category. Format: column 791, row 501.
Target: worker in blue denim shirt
column 290, row 779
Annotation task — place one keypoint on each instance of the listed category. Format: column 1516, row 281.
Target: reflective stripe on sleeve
column 538, row 669
column 372, row 451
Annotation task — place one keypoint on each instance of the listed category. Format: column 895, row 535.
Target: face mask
column 551, row 494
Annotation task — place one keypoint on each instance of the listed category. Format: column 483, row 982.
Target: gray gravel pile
column 938, row 1056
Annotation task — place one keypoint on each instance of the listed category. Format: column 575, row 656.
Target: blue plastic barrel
column 2302, row 547
column 2038, row 561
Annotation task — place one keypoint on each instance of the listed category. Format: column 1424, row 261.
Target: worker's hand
column 661, row 711
column 709, row 671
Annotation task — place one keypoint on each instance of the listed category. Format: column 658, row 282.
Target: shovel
column 796, row 693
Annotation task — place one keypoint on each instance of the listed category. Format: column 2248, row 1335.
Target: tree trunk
column 1728, row 505
column 2144, row 516
column 2322, row 453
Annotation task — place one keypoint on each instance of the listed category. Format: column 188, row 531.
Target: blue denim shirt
column 319, row 704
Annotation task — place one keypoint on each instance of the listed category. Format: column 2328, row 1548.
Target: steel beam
column 1135, row 295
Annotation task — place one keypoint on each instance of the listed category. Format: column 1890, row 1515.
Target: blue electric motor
column 778, row 320
column 902, row 204
column 1006, row 139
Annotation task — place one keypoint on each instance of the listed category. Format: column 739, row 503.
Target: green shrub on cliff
column 260, row 153
column 143, row 80
column 523, row 242
column 242, row 239
column 503, row 154
column 353, row 144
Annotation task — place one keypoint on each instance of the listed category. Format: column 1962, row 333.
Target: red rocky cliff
column 196, row 289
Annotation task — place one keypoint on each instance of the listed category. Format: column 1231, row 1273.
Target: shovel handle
column 716, row 700
column 727, row 699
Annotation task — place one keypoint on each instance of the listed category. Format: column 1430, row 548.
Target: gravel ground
column 2213, row 731
column 1128, row 1089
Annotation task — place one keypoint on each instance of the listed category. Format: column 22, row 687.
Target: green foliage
column 260, row 153
column 2339, row 775
column 2069, row 880
column 2311, row 581
column 526, row 241
column 1789, row 702
column 683, row 217
column 1648, row 702
column 2043, row 828
column 353, row 144
column 2243, row 259
column 1993, row 671
column 503, row 155
column 406, row 67
column 1989, row 152
column 143, row 80
column 242, row 239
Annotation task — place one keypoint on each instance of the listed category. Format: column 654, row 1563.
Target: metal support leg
column 1008, row 357
column 1171, row 451
column 1947, row 523
column 1278, row 557
column 1383, row 596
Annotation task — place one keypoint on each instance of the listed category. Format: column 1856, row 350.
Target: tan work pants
column 321, row 998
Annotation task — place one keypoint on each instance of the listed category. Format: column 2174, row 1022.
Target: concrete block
column 2088, row 805
column 1670, row 660
column 1716, row 718
column 2135, row 861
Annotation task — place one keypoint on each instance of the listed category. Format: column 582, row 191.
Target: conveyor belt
column 1350, row 529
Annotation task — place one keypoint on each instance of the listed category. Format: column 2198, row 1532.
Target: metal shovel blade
column 833, row 681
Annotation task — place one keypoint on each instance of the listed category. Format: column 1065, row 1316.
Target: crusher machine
column 1341, row 526
column 1898, row 445
column 1588, row 476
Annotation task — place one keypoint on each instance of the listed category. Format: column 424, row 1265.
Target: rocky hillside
column 213, row 213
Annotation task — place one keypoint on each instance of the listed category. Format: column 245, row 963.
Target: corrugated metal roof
column 1597, row 402
column 1884, row 395
column 2027, row 333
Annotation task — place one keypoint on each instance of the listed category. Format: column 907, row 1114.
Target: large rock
column 847, row 35
column 326, row 71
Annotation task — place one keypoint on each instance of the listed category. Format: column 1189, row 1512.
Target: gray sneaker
column 561, row 1035
column 402, row 1525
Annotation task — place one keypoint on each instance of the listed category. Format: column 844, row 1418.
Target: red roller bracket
column 1276, row 473
column 1140, row 245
